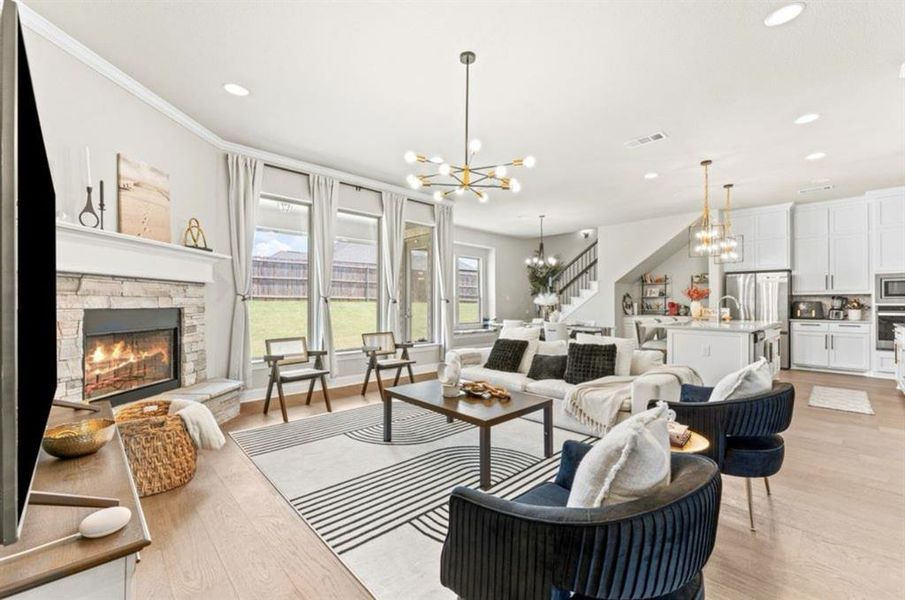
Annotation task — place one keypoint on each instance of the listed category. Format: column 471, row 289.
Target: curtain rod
column 351, row 185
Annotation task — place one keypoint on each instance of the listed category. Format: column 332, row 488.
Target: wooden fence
column 277, row 279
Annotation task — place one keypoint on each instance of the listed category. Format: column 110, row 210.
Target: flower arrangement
column 696, row 294
column 855, row 304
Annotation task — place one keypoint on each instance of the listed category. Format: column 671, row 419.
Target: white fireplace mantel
column 97, row 252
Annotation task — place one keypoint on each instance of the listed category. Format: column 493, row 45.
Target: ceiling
column 353, row 85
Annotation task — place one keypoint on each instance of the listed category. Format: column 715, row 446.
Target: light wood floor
column 834, row 527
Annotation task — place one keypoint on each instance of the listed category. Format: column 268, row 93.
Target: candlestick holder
column 88, row 214
column 101, row 205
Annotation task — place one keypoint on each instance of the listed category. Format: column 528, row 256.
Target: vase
column 697, row 309
column 854, row 314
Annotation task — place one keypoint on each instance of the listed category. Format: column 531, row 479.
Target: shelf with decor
column 654, row 294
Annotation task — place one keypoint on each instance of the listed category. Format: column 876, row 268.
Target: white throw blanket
column 199, row 423
column 595, row 404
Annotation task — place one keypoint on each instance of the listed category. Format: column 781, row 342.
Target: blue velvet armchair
column 534, row 548
column 744, row 433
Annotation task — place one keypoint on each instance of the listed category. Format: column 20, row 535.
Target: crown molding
column 36, row 23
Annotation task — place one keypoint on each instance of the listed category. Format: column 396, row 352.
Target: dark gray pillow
column 506, row 355
column 546, row 366
column 590, row 361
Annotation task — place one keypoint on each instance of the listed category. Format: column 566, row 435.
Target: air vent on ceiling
column 647, row 139
column 819, row 188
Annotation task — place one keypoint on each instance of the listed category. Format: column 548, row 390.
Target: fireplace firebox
column 130, row 354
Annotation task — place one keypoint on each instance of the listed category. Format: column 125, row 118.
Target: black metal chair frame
column 275, row 361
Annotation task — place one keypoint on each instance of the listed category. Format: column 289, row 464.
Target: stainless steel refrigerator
column 762, row 296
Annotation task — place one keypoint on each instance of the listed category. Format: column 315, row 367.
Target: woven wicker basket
column 159, row 449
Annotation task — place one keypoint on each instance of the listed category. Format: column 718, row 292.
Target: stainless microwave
column 890, row 288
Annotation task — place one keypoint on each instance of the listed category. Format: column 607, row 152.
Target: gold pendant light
column 732, row 247
column 704, row 236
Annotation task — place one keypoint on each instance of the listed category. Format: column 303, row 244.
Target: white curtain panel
column 392, row 241
column 443, row 250
column 324, row 195
column 245, row 175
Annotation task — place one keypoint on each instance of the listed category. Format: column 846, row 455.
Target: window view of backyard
column 280, row 277
column 417, row 283
column 468, row 291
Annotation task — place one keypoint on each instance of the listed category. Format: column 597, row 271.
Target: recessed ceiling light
column 815, row 156
column 235, row 89
column 651, row 175
column 808, row 118
column 784, row 14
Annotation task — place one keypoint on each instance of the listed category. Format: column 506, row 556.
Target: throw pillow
column 630, row 462
column 506, row 355
column 624, row 349
column 532, row 334
column 554, row 348
column 748, row 381
column 645, row 360
column 545, row 366
column 589, row 361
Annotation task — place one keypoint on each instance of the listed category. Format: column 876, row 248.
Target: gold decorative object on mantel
column 194, row 236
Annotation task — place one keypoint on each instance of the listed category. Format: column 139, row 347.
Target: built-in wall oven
column 889, row 306
column 887, row 317
column 890, row 288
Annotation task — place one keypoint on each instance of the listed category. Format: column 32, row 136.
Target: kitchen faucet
column 738, row 306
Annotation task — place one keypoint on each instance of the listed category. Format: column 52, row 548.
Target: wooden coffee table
column 483, row 414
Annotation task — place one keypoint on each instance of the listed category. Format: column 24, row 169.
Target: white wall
column 620, row 249
column 79, row 107
column 510, row 279
column 567, row 245
column 679, row 267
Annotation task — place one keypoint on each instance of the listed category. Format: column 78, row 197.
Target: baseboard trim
column 344, row 391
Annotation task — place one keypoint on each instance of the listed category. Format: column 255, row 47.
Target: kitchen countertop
column 724, row 326
column 861, row 321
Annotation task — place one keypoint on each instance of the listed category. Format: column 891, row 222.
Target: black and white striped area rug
column 383, row 507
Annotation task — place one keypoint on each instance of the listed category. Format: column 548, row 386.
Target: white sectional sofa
column 644, row 389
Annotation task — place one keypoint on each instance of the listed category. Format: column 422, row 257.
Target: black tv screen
column 27, row 279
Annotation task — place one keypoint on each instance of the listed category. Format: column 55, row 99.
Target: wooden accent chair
column 380, row 348
column 293, row 352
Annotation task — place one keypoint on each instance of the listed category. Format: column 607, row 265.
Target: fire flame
column 104, row 359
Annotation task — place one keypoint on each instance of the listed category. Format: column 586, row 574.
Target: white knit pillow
column 748, row 381
column 630, row 462
column 554, row 348
column 532, row 334
column 624, row 349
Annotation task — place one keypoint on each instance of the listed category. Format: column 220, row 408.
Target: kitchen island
column 716, row 348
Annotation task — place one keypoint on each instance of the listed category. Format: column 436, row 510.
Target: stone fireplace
column 123, row 338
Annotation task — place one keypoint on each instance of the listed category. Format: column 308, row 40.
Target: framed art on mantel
column 144, row 199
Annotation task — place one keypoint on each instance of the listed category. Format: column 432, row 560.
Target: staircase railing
column 577, row 274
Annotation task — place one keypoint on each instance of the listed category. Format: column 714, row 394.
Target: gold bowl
column 71, row 440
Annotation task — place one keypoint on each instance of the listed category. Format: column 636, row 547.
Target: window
column 417, row 284
column 356, row 280
column 469, row 284
column 279, row 273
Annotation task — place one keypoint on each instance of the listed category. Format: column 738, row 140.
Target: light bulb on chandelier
column 466, row 177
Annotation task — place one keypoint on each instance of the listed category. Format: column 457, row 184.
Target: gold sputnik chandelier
column 459, row 179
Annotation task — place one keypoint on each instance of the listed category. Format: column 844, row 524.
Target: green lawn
column 289, row 318
column 468, row 312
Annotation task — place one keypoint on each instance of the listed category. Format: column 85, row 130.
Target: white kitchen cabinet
column 810, row 345
column 900, row 357
column 831, row 345
column 766, row 233
column 850, row 347
column 888, row 229
column 831, row 248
